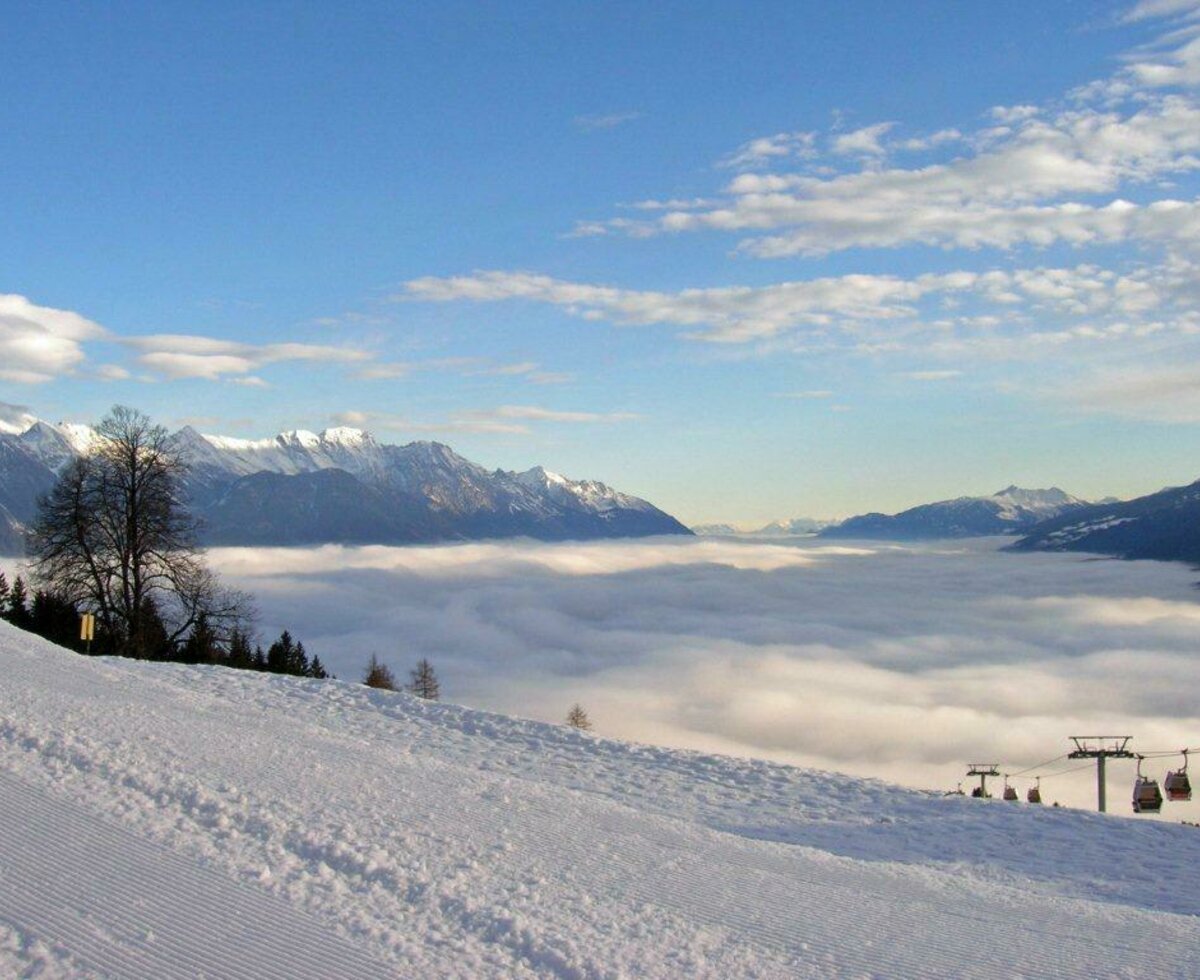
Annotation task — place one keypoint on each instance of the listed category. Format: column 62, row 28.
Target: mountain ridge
column 1008, row 511
column 271, row 491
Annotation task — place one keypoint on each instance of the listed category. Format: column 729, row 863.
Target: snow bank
column 163, row 820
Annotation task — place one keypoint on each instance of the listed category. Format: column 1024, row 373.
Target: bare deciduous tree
column 114, row 536
column 578, row 718
column 379, row 674
column 424, row 681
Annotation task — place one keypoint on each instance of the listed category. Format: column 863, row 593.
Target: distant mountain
column 341, row 486
column 776, row 529
column 1009, row 511
column 1163, row 525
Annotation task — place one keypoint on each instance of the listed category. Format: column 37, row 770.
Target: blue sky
column 749, row 261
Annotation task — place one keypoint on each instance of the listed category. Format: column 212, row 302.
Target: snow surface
column 163, row 820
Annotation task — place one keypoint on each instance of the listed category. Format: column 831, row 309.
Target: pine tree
column 298, row 662
column 578, row 718
column 281, row 654
column 4, row 590
column 379, row 675
column 424, row 681
column 54, row 618
column 259, row 661
column 17, row 612
column 317, row 669
column 240, row 655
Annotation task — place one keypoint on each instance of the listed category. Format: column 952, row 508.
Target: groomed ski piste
column 169, row 821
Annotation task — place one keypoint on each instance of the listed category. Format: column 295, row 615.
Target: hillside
column 1008, row 511
column 1163, row 526
column 318, row 829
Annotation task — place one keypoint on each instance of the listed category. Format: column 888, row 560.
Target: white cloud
column 40, row 343
column 606, row 120
column 178, row 356
column 731, row 314
column 502, row 420
column 870, row 311
column 863, row 142
column 771, row 149
column 1036, row 175
column 934, row 375
column 1159, row 393
column 898, row 661
column 805, row 395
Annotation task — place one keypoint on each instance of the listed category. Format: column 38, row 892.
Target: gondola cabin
column 1178, row 787
column 1010, row 794
column 1034, row 795
column 1147, row 797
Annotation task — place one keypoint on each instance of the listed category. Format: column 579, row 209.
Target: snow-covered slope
column 162, row 820
column 1008, row 511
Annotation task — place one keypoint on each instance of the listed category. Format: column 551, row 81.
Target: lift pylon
column 1101, row 748
column 982, row 770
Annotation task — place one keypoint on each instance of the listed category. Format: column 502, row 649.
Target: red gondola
column 1035, row 792
column 1177, row 784
column 1146, row 795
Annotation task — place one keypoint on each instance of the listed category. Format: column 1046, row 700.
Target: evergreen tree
column 379, row 675
column 240, row 655
column 298, row 663
column 281, row 654
column 259, row 661
column 4, row 590
column 424, row 681
column 578, row 718
column 18, row 605
column 202, row 646
column 54, row 618
column 317, row 669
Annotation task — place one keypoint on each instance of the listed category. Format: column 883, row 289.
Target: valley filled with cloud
column 904, row 662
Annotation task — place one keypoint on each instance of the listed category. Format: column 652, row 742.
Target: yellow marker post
column 87, row 629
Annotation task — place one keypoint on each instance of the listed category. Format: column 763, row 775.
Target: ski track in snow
column 165, row 821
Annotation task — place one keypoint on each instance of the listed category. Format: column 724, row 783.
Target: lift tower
column 983, row 770
column 1101, row 748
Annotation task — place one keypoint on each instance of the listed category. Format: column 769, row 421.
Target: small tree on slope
column 578, row 718
column 424, row 681
column 379, row 675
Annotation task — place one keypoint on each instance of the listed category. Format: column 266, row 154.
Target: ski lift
column 1146, row 796
column 979, row 793
column 1035, row 792
column 1010, row 793
column 1177, row 784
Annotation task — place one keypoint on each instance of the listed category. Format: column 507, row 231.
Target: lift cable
column 1040, row 765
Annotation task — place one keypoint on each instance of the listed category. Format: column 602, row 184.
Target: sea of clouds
column 899, row 661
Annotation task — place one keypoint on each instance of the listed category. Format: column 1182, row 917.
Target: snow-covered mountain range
column 1008, row 511
column 340, row 486
column 776, row 529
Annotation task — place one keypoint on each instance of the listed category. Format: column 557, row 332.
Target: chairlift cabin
column 979, row 793
column 1010, row 793
column 1035, row 792
column 1177, row 785
column 1147, row 798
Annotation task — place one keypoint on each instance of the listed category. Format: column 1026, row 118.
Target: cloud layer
column 903, row 662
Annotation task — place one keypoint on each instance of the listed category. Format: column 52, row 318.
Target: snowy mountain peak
column 346, row 436
column 539, row 476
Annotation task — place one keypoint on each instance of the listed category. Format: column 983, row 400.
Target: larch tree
column 578, row 718
column 424, row 681
column 379, row 675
